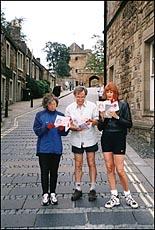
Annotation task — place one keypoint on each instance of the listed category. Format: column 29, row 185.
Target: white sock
column 114, row 192
column 126, row 193
column 92, row 186
column 78, row 186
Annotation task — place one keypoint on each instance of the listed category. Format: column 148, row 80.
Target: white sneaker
column 45, row 199
column 131, row 202
column 53, row 199
column 114, row 201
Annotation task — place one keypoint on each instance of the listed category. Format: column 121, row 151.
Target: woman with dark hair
column 49, row 146
column 113, row 141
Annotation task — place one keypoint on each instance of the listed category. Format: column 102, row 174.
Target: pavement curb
column 141, row 164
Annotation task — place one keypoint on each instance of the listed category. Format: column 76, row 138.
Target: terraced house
column 130, row 58
column 18, row 63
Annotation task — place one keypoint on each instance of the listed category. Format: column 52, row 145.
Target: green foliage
column 6, row 26
column 38, row 87
column 58, row 57
column 62, row 69
column 96, row 60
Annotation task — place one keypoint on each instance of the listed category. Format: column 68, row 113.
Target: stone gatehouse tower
column 80, row 75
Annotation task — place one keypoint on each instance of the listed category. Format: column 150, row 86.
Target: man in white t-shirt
column 84, row 118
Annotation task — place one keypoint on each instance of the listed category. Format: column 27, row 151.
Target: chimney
column 82, row 46
column 15, row 29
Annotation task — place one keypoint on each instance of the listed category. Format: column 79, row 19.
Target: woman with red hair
column 114, row 124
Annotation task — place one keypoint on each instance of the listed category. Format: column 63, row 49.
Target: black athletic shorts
column 92, row 148
column 113, row 142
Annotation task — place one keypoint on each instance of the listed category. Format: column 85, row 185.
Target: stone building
column 130, row 59
column 18, row 63
column 80, row 75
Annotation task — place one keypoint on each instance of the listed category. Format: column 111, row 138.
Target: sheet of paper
column 111, row 106
column 106, row 106
column 62, row 121
column 100, row 106
column 81, row 123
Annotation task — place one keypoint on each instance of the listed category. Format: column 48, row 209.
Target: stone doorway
column 94, row 81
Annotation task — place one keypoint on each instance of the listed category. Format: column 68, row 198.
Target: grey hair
column 49, row 97
column 80, row 89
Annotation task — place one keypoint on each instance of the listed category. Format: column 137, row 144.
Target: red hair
column 112, row 87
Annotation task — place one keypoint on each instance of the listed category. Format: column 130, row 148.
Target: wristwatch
column 117, row 117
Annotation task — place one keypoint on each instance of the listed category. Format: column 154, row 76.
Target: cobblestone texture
column 143, row 149
column 21, row 185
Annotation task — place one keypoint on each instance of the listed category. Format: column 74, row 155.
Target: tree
column 4, row 23
column 96, row 59
column 38, row 87
column 6, row 26
column 58, row 57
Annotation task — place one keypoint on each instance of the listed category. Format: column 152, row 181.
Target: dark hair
column 111, row 86
column 49, row 97
column 80, row 89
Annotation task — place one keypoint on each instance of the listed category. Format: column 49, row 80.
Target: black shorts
column 113, row 142
column 92, row 148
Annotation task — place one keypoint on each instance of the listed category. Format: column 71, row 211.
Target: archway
column 94, row 81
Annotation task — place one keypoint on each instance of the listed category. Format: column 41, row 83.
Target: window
column 18, row 91
column 149, row 76
column 3, row 89
column 14, row 86
column 33, row 70
column 76, row 58
column 37, row 73
column 11, row 90
column 20, row 60
column 27, row 66
column 7, row 54
column 152, row 76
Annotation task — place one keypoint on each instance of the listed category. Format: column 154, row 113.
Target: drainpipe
column 105, row 42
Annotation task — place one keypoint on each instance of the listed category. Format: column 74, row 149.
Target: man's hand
column 73, row 127
column 93, row 122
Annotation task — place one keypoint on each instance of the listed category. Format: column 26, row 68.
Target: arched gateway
column 94, row 81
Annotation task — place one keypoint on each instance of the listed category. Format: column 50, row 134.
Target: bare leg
column 119, row 163
column 110, row 166
column 78, row 167
column 92, row 166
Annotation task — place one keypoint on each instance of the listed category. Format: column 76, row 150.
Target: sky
column 64, row 22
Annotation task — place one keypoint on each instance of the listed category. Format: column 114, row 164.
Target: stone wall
column 128, row 37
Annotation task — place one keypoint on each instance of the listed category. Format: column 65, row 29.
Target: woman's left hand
column 113, row 114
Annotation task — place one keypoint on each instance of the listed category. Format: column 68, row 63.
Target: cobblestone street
column 21, row 187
